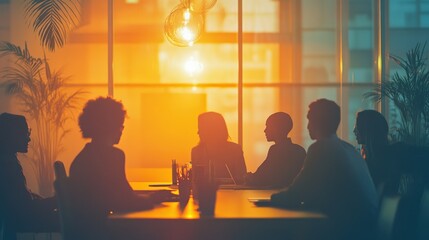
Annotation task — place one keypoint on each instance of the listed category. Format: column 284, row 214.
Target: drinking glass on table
column 184, row 181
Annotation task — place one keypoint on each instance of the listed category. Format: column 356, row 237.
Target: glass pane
column 318, row 41
column 424, row 20
column 203, row 63
column 260, row 63
column 258, row 16
column 318, row 13
column 319, row 69
column 360, row 42
column 222, row 17
column 402, row 13
column 360, row 13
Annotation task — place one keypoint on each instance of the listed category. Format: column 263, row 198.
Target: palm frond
column 53, row 20
column 409, row 91
column 22, row 55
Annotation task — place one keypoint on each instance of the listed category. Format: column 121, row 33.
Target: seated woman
column 284, row 159
column 97, row 173
column 383, row 159
column 224, row 158
column 387, row 163
column 21, row 209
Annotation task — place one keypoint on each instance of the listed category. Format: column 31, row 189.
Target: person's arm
column 123, row 197
column 303, row 186
column 262, row 175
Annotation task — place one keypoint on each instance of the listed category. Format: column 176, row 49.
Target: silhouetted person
column 388, row 162
column 214, row 147
column 98, row 171
column 22, row 209
column 284, row 159
column 383, row 160
column 335, row 179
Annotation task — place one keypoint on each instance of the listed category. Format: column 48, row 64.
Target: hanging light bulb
column 199, row 6
column 183, row 27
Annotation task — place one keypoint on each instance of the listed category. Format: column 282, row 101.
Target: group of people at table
column 331, row 177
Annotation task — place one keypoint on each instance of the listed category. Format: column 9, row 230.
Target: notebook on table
column 261, row 201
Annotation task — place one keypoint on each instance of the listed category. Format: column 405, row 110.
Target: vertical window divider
column 240, row 71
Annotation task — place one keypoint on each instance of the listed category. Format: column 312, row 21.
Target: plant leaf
column 53, row 20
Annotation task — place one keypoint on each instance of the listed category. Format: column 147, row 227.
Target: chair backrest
column 65, row 203
column 387, row 216
column 423, row 222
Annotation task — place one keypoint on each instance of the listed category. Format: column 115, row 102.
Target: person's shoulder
column 324, row 146
column 317, row 145
column 196, row 148
column 298, row 148
column 117, row 152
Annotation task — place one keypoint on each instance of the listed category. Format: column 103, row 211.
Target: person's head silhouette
column 278, row 126
column 371, row 128
column 14, row 133
column 212, row 128
column 323, row 118
column 102, row 120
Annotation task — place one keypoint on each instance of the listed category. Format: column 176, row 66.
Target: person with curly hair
column 97, row 173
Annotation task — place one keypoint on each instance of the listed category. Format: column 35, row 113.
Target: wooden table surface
column 234, row 218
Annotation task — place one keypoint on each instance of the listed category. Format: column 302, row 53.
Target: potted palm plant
column 41, row 95
column 40, row 90
column 408, row 89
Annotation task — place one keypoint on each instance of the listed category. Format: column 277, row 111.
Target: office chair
column 423, row 220
column 387, row 216
column 65, row 204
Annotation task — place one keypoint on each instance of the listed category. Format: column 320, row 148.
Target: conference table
column 234, row 218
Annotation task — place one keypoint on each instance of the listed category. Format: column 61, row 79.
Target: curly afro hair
column 101, row 116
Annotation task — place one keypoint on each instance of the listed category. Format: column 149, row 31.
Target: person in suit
column 22, row 210
column 225, row 157
column 334, row 179
column 284, row 159
column 97, row 174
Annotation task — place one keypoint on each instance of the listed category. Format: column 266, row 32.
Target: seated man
column 284, row 159
column 335, row 179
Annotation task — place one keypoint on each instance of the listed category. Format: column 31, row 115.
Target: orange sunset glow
column 289, row 59
column 214, row 119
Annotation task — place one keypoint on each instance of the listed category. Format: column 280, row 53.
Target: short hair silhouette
column 372, row 127
column 212, row 127
column 282, row 121
column 325, row 114
column 12, row 127
column 100, row 116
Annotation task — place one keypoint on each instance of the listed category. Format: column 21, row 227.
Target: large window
column 294, row 51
